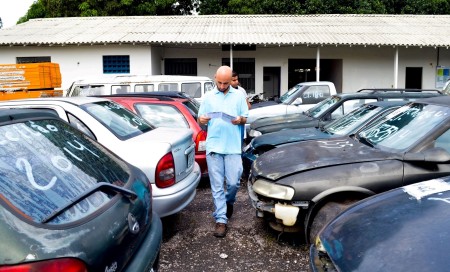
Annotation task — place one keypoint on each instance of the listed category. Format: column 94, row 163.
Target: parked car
column 169, row 109
column 302, row 186
column 165, row 155
column 351, row 123
column 194, row 86
column 296, row 100
column 68, row 203
column 405, row 229
column 333, row 108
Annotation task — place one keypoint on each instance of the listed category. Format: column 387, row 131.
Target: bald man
column 223, row 110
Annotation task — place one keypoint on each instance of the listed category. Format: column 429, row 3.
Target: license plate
column 190, row 159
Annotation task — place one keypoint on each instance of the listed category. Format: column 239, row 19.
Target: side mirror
column 297, row 101
column 436, row 154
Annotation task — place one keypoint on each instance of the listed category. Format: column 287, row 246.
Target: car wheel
column 326, row 213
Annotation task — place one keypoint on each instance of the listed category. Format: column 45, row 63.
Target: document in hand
column 222, row 115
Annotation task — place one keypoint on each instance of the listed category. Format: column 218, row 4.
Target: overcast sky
column 12, row 10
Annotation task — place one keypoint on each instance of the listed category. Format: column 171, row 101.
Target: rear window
column 193, row 89
column 162, row 115
column 120, row 121
column 46, row 164
column 88, row 90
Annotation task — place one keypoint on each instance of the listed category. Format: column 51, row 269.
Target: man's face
column 223, row 82
column 235, row 82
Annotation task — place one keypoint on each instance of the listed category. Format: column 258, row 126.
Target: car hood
column 264, row 104
column 407, row 228
column 289, row 136
column 302, row 156
column 274, row 110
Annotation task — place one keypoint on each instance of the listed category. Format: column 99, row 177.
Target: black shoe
column 229, row 210
column 221, row 230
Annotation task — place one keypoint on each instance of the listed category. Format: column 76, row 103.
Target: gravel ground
column 250, row 245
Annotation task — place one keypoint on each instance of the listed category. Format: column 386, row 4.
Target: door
column 271, row 83
column 413, row 78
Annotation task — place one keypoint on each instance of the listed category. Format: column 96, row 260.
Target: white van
column 194, row 86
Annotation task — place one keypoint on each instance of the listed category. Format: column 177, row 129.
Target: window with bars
column 184, row 67
column 33, row 59
column 119, row 64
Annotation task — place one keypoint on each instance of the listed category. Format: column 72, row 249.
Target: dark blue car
column 405, row 229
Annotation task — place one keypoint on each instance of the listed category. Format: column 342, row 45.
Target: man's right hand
column 203, row 119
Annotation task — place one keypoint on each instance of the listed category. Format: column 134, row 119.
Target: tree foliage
column 83, row 8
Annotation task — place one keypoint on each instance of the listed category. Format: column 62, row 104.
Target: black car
column 332, row 108
column 67, row 203
column 405, row 229
column 302, row 186
column 353, row 122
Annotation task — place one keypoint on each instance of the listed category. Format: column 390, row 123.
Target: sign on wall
column 442, row 75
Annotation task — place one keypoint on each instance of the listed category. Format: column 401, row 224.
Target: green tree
column 75, row 8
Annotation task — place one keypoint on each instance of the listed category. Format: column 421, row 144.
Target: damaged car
column 405, row 229
column 67, row 203
column 353, row 122
column 302, row 186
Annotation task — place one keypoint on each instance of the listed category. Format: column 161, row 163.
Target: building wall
column 362, row 67
column 81, row 61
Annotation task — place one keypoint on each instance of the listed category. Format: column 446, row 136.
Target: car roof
column 77, row 100
column 387, row 103
column 391, row 93
column 439, row 100
column 14, row 115
column 160, row 95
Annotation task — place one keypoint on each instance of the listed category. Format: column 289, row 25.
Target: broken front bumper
column 286, row 213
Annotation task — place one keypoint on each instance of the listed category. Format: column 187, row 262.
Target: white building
column 270, row 52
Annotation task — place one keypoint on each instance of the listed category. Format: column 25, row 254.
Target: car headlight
column 273, row 190
column 254, row 133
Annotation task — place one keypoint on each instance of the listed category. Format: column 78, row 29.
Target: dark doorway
column 245, row 67
column 302, row 70
column 413, row 78
column 271, row 83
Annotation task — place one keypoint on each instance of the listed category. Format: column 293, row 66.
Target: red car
column 169, row 109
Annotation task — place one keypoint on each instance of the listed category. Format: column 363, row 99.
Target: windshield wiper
column 364, row 140
column 101, row 186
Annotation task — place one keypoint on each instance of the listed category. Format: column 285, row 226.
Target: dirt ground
column 250, row 245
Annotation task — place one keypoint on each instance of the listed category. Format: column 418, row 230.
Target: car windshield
column 352, row 121
column 120, row 121
column 289, row 96
column 321, row 107
column 405, row 126
column 46, row 164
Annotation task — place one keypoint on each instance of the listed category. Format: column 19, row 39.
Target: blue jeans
column 223, row 168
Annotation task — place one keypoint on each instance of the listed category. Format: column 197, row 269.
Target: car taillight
column 55, row 265
column 200, row 142
column 165, row 171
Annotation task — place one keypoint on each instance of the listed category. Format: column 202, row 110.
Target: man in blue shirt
column 223, row 110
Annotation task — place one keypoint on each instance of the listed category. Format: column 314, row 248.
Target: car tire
column 325, row 214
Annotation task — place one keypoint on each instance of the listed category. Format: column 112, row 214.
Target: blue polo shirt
column 224, row 137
